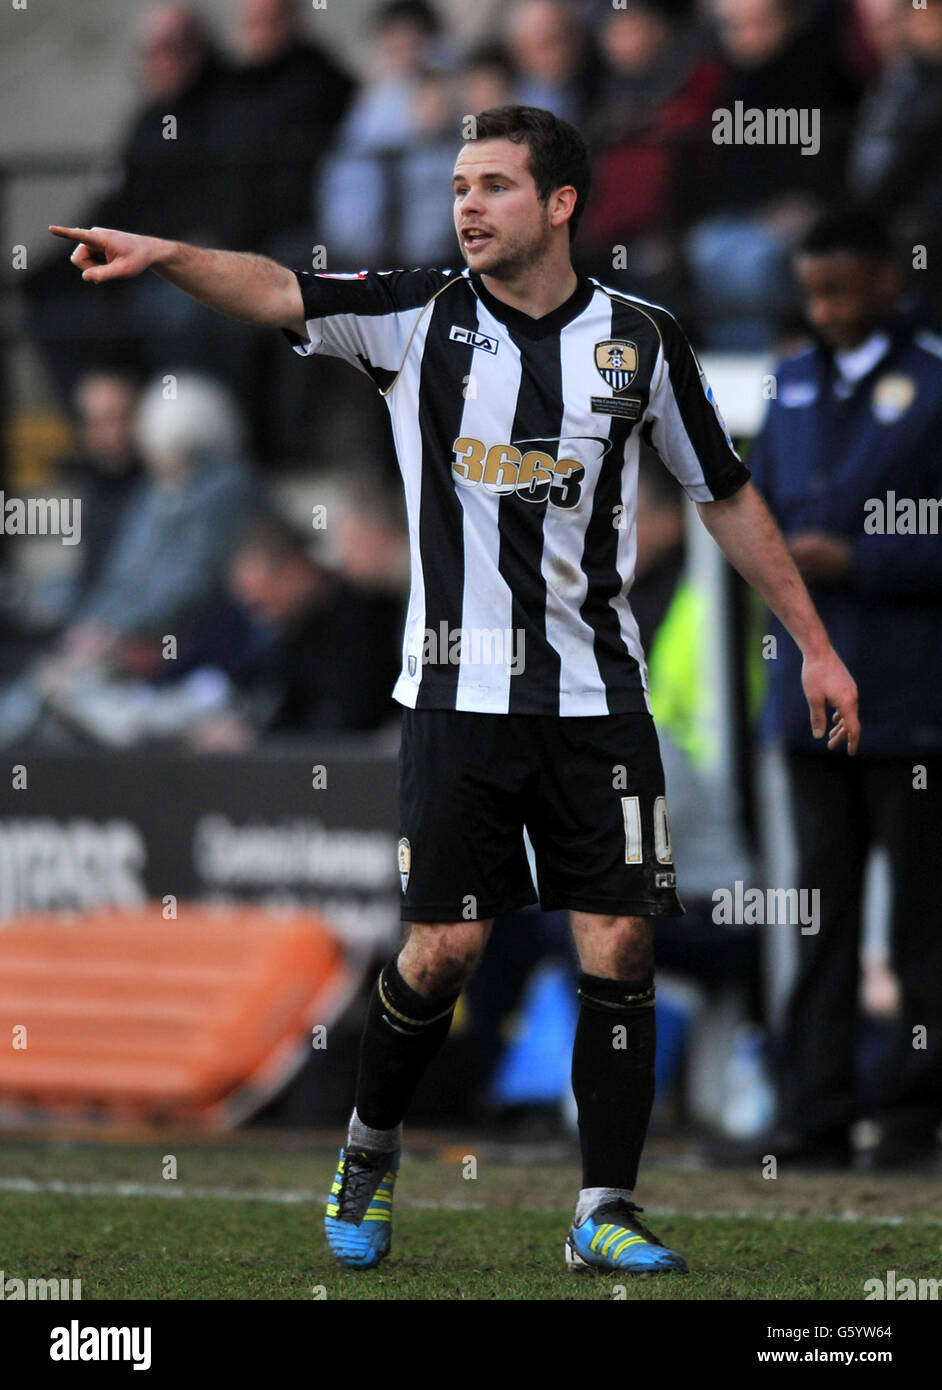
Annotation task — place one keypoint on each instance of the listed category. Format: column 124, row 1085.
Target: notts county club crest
column 617, row 362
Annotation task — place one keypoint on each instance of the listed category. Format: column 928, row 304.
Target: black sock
column 613, row 1077
column 402, row 1034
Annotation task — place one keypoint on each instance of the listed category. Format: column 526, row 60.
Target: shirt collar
column 529, row 327
column 855, row 363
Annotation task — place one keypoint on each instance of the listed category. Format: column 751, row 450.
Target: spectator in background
column 169, row 177
column 895, row 160
column 379, row 198
column 887, row 111
column 855, row 424
column 487, row 79
column 166, row 563
column 874, row 37
column 290, row 96
column 101, row 472
column 335, row 650
column 554, row 68
column 405, row 33
column 369, row 543
column 656, row 91
column 759, row 197
column 104, row 472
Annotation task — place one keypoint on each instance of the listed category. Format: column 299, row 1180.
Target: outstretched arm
column 244, row 286
column 745, row 531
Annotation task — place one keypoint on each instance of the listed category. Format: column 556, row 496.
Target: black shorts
column 588, row 789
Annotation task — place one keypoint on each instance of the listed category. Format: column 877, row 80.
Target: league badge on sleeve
column 405, row 862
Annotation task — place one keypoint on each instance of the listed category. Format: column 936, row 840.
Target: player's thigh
column 612, row 947
column 461, row 849
column 599, row 824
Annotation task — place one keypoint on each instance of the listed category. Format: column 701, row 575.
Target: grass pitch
column 242, row 1220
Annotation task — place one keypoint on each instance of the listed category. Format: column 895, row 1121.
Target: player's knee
column 632, row 955
column 439, row 959
column 612, row 947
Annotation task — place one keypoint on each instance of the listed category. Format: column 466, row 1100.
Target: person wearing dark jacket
column 290, row 96
column 308, row 650
column 106, row 466
column 848, row 461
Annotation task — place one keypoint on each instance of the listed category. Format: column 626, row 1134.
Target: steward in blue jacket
column 850, row 463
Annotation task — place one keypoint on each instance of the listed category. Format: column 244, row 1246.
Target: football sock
column 613, row 1077
column 361, row 1136
column 402, row 1034
column 591, row 1198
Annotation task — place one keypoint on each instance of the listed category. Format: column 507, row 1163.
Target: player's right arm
column 240, row 284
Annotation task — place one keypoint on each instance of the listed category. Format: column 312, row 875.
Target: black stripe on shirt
column 446, row 365
column 538, row 419
column 723, row 472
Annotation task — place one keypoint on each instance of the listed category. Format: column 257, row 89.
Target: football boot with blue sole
column 614, row 1239
column 358, row 1220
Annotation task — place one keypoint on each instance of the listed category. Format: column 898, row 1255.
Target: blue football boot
column 358, row 1220
column 614, row 1238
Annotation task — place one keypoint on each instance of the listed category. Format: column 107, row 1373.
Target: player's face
column 845, row 295
column 502, row 226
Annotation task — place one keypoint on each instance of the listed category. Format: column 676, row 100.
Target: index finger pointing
column 74, row 234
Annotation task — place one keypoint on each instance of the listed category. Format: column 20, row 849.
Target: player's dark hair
column 558, row 153
column 847, row 228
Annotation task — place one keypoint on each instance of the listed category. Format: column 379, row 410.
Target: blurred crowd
column 275, row 148
column 198, row 609
column 259, row 139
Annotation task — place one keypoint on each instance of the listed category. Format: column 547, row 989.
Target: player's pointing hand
column 106, row 254
column 827, row 681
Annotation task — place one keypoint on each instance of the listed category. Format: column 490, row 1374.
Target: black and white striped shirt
column 518, row 442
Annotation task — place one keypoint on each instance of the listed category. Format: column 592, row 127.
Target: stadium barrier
column 122, row 1015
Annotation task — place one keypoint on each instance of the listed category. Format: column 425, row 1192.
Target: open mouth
column 473, row 239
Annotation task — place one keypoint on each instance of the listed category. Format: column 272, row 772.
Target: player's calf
column 613, row 1082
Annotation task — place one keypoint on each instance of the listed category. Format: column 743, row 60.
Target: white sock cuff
column 590, row 1198
column 361, row 1136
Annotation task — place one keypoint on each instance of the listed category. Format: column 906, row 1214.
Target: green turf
column 498, row 1236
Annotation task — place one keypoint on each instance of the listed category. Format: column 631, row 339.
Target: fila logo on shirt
column 472, row 337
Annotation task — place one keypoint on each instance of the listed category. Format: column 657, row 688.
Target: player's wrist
column 165, row 256
column 817, row 647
